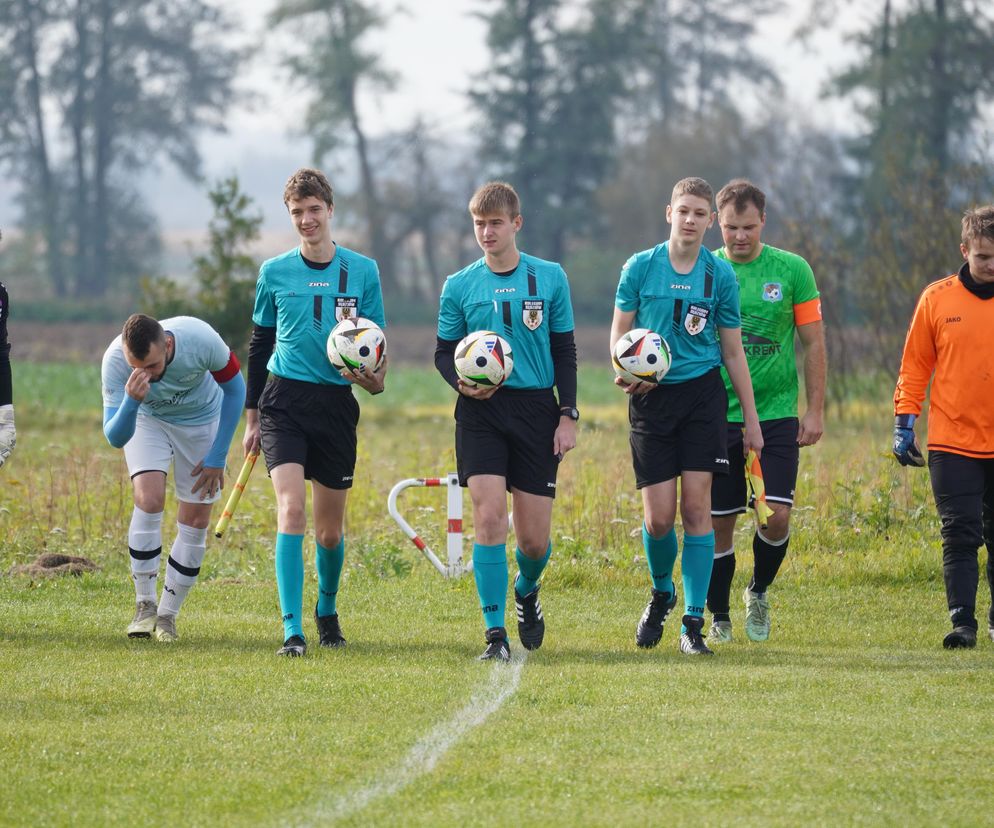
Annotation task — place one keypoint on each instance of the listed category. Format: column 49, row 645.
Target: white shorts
column 155, row 444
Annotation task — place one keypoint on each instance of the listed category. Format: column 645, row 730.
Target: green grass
column 852, row 713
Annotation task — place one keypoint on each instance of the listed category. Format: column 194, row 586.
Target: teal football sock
column 490, row 572
column 529, row 570
column 698, row 558
column 329, row 566
column 290, row 582
column 661, row 555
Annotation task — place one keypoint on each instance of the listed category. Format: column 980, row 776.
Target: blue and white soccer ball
column 357, row 344
column 483, row 358
column 641, row 355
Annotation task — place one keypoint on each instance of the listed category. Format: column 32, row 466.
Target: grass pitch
column 851, row 713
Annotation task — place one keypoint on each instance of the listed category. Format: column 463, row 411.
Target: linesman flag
column 757, row 489
column 236, row 494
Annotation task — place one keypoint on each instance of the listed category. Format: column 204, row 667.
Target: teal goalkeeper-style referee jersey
column 685, row 309
column 304, row 304
column 524, row 307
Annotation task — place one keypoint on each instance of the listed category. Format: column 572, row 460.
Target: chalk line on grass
column 501, row 684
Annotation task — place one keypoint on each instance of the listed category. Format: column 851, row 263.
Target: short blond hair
column 978, row 223
column 495, row 197
column 692, row 186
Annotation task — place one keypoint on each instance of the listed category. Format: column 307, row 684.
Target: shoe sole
column 332, row 645
column 757, row 638
column 143, row 629
column 166, row 638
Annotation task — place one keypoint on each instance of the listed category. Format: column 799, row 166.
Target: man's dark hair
column 741, row 193
column 140, row 333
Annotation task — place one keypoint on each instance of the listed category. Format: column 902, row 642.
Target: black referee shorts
column 779, row 462
column 312, row 424
column 679, row 427
column 510, row 435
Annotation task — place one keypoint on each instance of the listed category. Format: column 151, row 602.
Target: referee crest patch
column 772, row 292
column 346, row 307
column 532, row 313
column 696, row 319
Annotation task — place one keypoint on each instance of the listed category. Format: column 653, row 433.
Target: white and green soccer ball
column 357, row 344
column 483, row 359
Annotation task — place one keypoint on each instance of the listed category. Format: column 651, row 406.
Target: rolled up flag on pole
column 757, row 489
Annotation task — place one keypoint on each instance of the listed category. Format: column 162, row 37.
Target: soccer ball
column 357, row 344
column 483, row 358
column 641, row 355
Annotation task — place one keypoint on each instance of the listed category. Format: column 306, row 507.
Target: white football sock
column 183, row 567
column 145, row 547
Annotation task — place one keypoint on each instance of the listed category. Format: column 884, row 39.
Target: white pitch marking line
column 427, row 751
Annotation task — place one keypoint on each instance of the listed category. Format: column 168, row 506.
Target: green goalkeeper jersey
column 777, row 292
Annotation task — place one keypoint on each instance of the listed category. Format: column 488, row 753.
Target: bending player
column 680, row 290
column 949, row 343
column 305, row 416
column 173, row 394
column 777, row 296
column 511, row 437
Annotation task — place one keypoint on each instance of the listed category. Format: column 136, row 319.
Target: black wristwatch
column 569, row 411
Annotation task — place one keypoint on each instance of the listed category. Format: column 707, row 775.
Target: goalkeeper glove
column 8, row 435
column 906, row 448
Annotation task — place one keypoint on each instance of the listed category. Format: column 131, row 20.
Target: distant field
column 851, row 714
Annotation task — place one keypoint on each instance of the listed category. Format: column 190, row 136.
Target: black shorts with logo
column 679, row 427
column 312, row 424
column 510, row 435
column 779, row 461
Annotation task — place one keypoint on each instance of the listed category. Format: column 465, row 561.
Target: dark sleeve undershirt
column 6, row 384
column 445, row 363
column 563, row 347
column 260, row 350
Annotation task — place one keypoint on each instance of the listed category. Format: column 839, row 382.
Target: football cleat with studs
column 497, row 647
column 531, row 624
column 143, row 624
column 650, row 626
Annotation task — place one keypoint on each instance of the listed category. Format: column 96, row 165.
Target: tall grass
column 859, row 516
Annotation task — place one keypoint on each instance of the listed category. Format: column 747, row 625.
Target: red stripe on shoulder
column 228, row 371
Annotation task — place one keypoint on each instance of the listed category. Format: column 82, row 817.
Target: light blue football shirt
column 187, row 394
column 685, row 309
column 304, row 304
column 524, row 307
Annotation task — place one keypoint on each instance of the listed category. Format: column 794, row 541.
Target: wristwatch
column 569, row 411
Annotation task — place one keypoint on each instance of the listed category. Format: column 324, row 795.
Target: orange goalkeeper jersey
column 951, row 336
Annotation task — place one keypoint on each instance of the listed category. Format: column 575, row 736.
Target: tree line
column 592, row 108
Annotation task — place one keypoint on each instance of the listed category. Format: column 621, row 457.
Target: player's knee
column 533, row 547
column 292, row 518
column 778, row 525
column 328, row 538
column 490, row 524
column 150, row 502
column 658, row 526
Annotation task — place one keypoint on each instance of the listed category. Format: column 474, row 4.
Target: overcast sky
column 436, row 48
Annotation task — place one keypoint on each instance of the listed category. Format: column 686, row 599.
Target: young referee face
column 980, row 256
column 690, row 217
column 496, row 233
column 311, row 218
column 741, row 232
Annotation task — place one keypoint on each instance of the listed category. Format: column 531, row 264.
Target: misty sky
column 436, row 48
